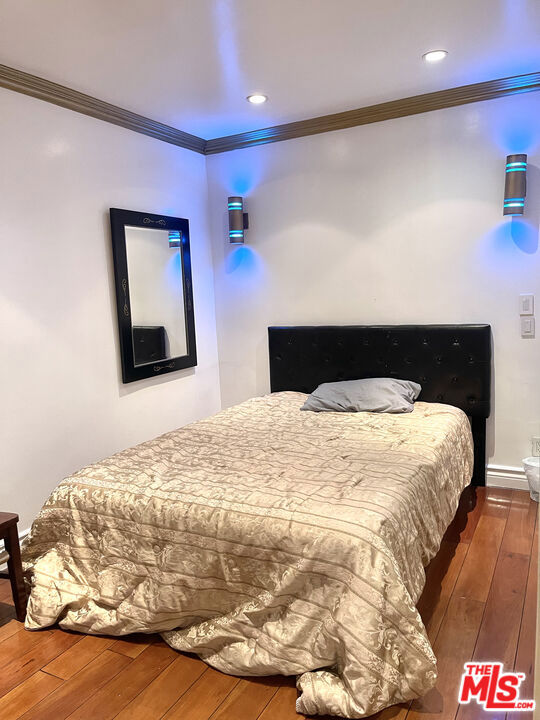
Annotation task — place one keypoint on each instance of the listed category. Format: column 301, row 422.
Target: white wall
column 394, row 222
column 62, row 401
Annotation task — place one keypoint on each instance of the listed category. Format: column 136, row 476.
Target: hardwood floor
column 479, row 603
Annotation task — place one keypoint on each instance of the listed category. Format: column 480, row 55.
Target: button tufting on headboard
column 449, row 361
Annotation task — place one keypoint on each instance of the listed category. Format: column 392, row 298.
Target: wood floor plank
column 394, row 712
column 283, row 706
column 441, row 577
column 248, row 699
column 5, row 591
column 7, row 613
column 133, row 645
column 520, row 525
column 462, row 527
column 19, row 642
column 21, row 666
column 497, row 502
column 75, row 691
column 527, row 635
column 23, row 697
column 10, row 628
column 473, row 503
column 499, row 632
column 161, row 694
column 476, row 574
column 204, row 696
column 113, row 697
column 76, row 657
column 453, row 647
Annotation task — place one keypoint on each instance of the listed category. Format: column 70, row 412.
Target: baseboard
column 506, row 477
column 3, row 553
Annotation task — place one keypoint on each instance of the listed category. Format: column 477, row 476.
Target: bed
column 273, row 541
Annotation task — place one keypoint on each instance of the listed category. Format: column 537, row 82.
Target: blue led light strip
column 236, row 233
column 521, row 163
column 235, row 206
column 522, row 169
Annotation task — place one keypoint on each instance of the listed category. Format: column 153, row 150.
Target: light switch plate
column 527, row 327
column 526, row 304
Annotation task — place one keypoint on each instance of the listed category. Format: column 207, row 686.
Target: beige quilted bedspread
column 266, row 540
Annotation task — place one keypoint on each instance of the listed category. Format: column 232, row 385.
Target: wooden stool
column 10, row 536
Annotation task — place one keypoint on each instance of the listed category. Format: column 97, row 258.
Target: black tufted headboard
column 451, row 362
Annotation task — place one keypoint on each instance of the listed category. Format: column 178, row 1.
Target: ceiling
column 190, row 63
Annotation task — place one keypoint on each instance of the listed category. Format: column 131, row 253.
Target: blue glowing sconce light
column 175, row 238
column 515, row 186
column 238, row 220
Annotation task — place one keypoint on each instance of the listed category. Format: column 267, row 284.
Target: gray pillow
column 385, row 395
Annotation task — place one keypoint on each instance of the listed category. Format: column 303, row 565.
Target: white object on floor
column 532, row 471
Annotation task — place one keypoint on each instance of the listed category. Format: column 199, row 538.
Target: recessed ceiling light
column 257, row 98
column 434, row 56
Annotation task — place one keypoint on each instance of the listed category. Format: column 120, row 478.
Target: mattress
column 267, row 540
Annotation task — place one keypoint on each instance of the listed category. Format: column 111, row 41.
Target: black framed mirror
column 154, row 294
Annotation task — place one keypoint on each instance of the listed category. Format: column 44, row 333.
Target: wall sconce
column 238, row 220
column 515, row 186
column 175, row 238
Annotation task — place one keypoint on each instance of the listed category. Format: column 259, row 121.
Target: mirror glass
column 156, row 287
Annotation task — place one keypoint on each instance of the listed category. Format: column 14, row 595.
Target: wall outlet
column 536, row 446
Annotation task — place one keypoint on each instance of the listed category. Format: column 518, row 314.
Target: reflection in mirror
column 156, row 293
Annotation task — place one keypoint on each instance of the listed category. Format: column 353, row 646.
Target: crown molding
column 376, row 113
column 37, row 87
